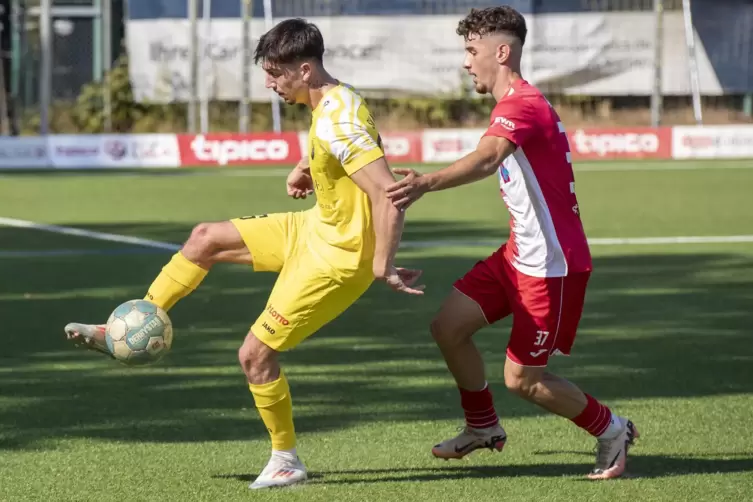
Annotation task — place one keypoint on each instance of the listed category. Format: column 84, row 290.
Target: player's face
column 288, row 81
column 481, row 62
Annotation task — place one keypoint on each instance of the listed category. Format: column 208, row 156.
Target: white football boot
column 90, row 336
column 469, row 440
column 281, row 470
column 611, row 454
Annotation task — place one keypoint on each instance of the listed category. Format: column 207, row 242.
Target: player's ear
column 503, row 53
column 306, row 71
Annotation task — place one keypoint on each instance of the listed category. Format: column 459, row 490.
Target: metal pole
column 656, row 96
column 269, row 24
column 692, row 62
column 193, row 73
column 205, row 65
column 97, row 42
column 243, row 111
column 45, row 73
column 107, row 62
column 16, row 55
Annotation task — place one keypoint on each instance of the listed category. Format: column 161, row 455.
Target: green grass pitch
column 666, row 339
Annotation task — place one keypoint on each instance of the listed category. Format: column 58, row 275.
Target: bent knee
column 448, row 333
column 203, row 243
column 255, row 357
column 522, row 385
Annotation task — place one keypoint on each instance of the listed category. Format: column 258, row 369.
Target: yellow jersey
column 343, row 138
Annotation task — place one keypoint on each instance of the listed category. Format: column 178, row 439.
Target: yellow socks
column 178, row 279
column 276, row 409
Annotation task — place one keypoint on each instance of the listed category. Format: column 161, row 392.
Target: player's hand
column 403, row 279
column 408, row 190
column 299, row 183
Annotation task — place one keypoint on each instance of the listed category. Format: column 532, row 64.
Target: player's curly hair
column 290, row 40
column 502, row 19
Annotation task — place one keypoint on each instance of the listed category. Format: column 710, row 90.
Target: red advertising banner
column 233, row 149
column 620, row 143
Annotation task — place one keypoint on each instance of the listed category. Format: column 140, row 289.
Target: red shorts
column 546, row 310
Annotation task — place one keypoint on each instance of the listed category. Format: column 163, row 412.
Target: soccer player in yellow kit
column 327, row 256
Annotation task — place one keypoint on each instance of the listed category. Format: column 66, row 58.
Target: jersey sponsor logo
column 269, row 328
column 505, row 122
column 504, row 174
column 276, row 315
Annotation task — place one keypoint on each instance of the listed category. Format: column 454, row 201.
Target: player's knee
column 447, row 333
column 201, row 244
column 248, row 356
column 522, row 385
column 439, row 331
column 256, row 360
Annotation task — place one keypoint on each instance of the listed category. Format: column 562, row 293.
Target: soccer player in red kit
column 540, row 275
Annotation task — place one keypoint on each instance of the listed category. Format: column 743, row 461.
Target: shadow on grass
column 655, row 325
column 640, row 466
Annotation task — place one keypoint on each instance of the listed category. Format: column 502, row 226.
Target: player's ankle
column 613, row 429
column 289, row 454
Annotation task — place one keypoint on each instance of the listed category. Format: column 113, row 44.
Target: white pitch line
column 89, row 234
column 608, row 241
column 261, row 172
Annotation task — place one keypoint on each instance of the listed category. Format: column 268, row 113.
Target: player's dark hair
column 503, row 19
column 289, row 41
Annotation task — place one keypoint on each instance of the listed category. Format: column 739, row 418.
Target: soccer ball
column 139, row 332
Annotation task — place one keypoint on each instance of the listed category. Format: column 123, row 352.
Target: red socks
column 479, row 408
column 480, row 413
column 595, row 418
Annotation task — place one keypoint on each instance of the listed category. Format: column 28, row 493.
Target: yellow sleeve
column 351, row 135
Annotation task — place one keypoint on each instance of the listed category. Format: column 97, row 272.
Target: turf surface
column 665, row 339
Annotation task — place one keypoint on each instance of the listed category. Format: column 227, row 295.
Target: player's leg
column 478, row 299
column 271, row 392
column 304, row 299
column 546, row 318
column 234, row 241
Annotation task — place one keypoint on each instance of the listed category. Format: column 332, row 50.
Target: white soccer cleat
column 90, row 336
column 280, row 471
column 611, row 454
column 470, row 440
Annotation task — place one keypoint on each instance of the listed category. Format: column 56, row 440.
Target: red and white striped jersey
column 538, row 186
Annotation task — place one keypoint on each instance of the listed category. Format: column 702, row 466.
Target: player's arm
column 303, row 165
column 373, row 179
column 299, row 183
column 479, row 164
column 353, row 143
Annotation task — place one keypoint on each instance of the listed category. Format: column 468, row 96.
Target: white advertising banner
column 448, row 145
column 586, row 53
column 23, row 152
column 113, row 150
column 712, row 142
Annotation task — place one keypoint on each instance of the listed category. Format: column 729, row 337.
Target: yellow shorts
column 306, row 295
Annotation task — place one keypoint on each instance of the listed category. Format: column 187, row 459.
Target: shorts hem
column 474, row 301
column 526, row 365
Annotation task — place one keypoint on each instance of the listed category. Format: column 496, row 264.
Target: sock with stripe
column 597, row 419
column 479, row 408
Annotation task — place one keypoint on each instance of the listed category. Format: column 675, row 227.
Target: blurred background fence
column 95, row 66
